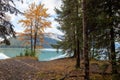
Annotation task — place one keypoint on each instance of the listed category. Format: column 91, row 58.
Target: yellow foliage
column 35, row 20
column 25, row 23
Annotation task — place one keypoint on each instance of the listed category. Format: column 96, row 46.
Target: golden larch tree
column 35, row 23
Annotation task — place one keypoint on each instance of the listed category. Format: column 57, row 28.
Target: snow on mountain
column 54, row 36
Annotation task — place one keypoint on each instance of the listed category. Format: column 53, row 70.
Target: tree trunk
column 35, row 41
column 78, row 54
column 35, row 37
column 81, row 55
column 93, row 53
column 85, row 41
column 77, row 37
column 75, row 54
column 108, row 54
column 31, row 40
column 113, row 54
column 112, row 43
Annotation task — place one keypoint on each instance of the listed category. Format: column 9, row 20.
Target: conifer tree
column 107, row 27
column 111, row 8
column 69, row 18
column 6, row 27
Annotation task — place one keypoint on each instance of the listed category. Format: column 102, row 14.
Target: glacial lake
column 42, row 54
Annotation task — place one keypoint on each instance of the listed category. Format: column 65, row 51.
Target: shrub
column 27, row 52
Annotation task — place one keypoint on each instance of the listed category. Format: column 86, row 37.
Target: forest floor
column 28, row 68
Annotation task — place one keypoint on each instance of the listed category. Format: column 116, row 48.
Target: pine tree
column 6, row 27
column 69, row 18
column 107, row 27
column 113, row 14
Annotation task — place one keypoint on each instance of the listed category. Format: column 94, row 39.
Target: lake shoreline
column 44, row 54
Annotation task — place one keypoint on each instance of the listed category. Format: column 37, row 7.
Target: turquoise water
column 43, row 55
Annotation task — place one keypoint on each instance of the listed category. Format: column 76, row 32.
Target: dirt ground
column 27, row 68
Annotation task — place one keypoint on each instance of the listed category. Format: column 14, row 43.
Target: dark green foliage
column 32, row 54
column 7, row 42
column 70, row 22
column 27, row 52
column 6, row 28
column 105, row 31
column 102, row 21
column 21, row 54
column 69, row 17
column 107, row 27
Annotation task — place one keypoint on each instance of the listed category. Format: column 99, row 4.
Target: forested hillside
column 16, row 43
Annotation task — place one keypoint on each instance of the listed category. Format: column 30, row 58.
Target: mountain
column 48, row 40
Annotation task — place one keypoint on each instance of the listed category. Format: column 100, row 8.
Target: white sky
column 50, row 4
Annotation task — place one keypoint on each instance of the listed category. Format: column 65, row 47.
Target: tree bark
column 35, row 40
column 78, row 54
column 113, row 54
column 77, row 37
column 31, row 39
column 75, row 53
column 112, row 42
column 85, row 41
column 35, row 36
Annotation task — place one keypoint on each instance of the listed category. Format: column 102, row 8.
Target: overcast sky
column 50, row 4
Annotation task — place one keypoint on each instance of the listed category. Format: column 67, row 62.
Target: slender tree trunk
column 81, row 54
column 78, row 54
column 112, row 42
column 85, row 41
column 75, row 52
column 108, row 55
column 77, row 37
column 31, row 39
column 92, row 53
column 35, row 40
column 113, row 54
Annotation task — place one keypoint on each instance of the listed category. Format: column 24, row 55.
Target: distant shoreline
column 14, row 47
